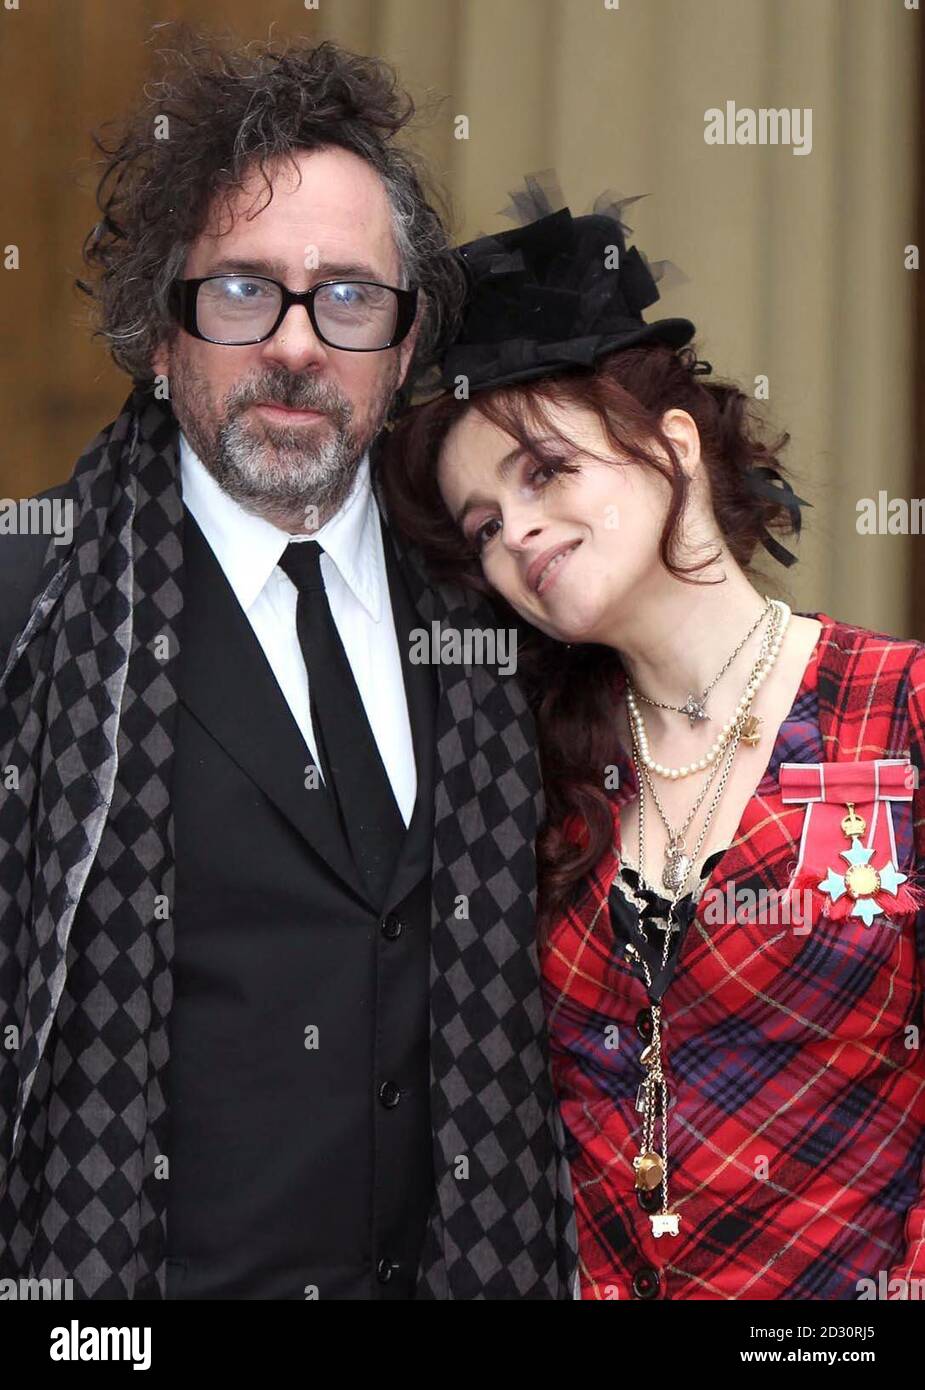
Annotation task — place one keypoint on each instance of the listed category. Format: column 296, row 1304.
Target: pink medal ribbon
column 848, row 847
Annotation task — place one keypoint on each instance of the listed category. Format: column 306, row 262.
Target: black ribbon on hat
column 770, row 486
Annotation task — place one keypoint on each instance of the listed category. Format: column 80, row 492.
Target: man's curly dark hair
column 230, row 109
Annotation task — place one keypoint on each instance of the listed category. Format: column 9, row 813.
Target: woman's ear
column 682, row 430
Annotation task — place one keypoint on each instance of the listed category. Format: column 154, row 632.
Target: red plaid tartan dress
column 795, row 1060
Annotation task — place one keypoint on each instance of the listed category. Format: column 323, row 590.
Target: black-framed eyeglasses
column 352, row 315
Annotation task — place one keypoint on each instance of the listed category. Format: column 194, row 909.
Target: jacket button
column 646, row 1282
column 389, row 1094
column 644, row 1025
column 392, row 927
column 385, row 1270
column 649, row 1201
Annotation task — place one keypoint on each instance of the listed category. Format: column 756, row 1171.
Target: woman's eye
column 479, row 535
column 542, row 473
column 548, row 469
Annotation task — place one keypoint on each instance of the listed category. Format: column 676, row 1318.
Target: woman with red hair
column 730, row 921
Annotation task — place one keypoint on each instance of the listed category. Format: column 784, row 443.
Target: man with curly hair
column 269, row 997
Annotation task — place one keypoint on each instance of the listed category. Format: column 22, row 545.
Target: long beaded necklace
column 650, row 1165
column 677, row 861
column 751, row 724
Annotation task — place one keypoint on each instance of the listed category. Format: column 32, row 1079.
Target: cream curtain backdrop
column 795, row 263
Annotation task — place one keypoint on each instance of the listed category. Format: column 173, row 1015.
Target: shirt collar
column 249, row 547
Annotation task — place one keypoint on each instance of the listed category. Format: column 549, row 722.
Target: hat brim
column 675, row 333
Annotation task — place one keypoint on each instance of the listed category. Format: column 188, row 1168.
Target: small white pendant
column 665, row 1223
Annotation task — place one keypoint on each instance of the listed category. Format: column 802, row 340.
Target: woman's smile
column 551, row 569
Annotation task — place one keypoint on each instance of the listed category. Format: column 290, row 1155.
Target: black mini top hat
column 555, row 292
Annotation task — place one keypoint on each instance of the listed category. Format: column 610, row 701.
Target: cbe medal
column 852, row 802
column 861, row 880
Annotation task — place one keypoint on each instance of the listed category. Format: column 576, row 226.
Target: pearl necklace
column 769, row 649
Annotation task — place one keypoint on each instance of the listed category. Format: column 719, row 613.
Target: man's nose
column 295, row 344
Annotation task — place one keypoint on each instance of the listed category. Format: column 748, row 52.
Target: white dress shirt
column 248, row 548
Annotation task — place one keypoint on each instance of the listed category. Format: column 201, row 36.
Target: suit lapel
column 226, row 682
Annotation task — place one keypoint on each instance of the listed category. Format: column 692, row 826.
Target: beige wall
column 794, row 264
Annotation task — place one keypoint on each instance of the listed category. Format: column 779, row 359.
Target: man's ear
column 160, row 361
column 406, row 349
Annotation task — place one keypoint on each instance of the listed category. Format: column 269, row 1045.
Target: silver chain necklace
column 695, row 707
column 678, row 862
column 650, row 1165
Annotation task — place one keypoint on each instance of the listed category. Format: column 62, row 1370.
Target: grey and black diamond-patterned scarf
column 87, row 715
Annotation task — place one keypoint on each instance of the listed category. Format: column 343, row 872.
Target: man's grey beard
column 294, row 476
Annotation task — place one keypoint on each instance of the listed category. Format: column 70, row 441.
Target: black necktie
column 350, row 760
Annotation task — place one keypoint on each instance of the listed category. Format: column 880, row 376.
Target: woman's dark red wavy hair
column 571, row 689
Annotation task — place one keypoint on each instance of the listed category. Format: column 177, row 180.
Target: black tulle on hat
column 555, row 292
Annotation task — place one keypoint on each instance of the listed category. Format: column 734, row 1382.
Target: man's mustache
column 297, row 395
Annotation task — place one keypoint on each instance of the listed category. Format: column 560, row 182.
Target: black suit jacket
column 293, row 1168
